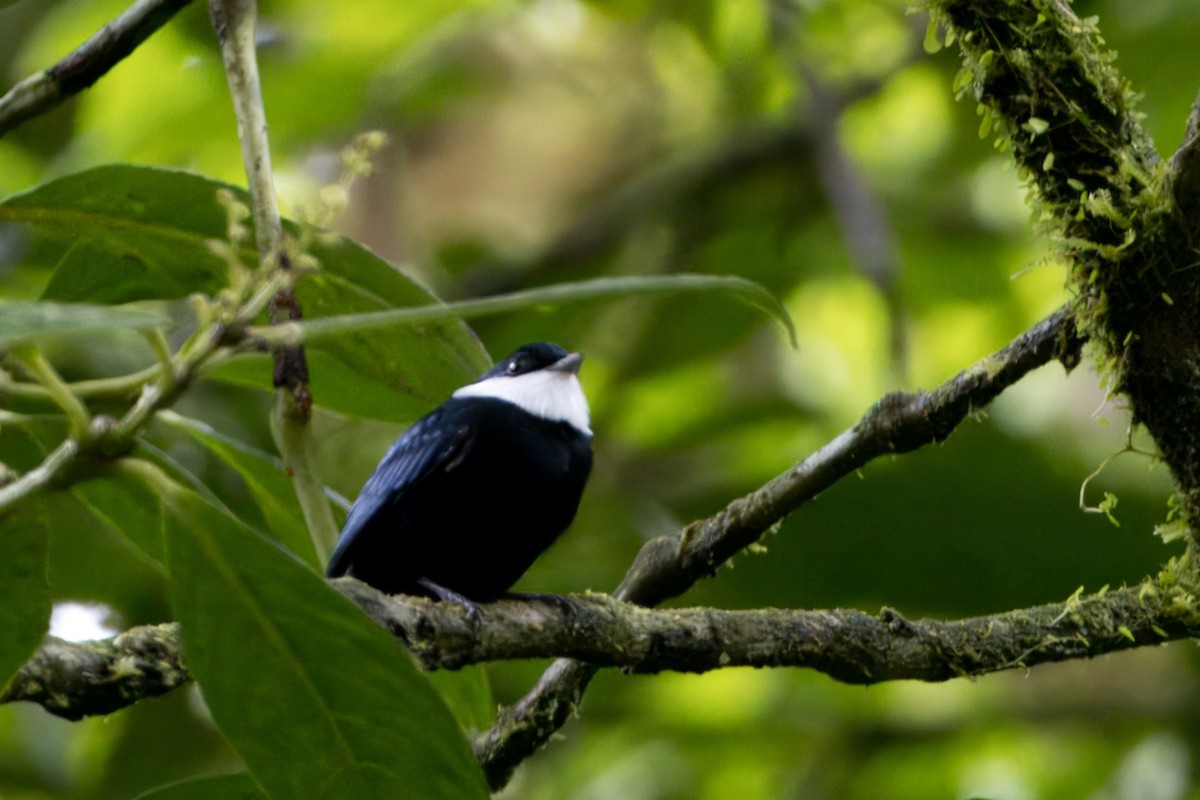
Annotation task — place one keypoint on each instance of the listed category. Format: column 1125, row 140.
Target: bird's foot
column 441, row 593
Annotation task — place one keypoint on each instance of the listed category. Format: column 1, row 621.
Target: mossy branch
column 1126, row 221
column 669, row 565
column 86, row 679
column 99, row 677
column 1051, row 93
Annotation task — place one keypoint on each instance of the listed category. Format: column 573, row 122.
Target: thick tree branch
column 1127, row 222
column 848, row 645
column 669, row 565
column 89, row 678
column 77, row 680
column 899, row 423
column 44, row 90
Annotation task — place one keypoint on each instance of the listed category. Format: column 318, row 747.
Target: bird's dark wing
column 431, row 443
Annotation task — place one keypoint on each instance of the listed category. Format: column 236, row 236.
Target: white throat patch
column 548, row 394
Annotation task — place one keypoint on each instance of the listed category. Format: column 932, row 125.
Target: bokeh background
column 814, row 146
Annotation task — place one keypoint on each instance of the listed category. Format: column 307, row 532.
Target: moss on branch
column 1045, row 82
column 90, row 678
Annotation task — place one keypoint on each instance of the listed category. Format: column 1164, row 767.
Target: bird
column 472, row 493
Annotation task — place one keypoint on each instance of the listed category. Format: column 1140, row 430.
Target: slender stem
column 327, row 327
column 162, row 352
column 234, row 22
column 95, row 388
column 34, row 361
column 38, row 479
column 116, row 437
column 14, row 418
column 165, row 392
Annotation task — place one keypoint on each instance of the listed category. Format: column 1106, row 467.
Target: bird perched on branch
column 472, row 493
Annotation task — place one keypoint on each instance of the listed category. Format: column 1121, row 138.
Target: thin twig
column 106, row 437
column 744, row 290
column 44, row 90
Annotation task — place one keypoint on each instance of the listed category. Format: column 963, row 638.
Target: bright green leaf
column 932, row 42
column 1172, row 531
column 1106, row 507
column 318, row 701
column 1036, row 126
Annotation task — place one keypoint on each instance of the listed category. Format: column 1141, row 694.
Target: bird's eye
column 514, row 366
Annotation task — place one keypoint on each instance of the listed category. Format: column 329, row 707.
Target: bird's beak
column 568, row 363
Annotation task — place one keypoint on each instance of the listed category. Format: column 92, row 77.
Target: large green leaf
column 234, row 786
column 120, row 233
column 318, row 701
column 23, row 321
column 24, row 590
column 468, row 692
column 336, row 386
column 265, row 478
column 426, row 362
column 128, row 510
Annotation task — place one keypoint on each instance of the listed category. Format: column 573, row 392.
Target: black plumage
column 472, row 493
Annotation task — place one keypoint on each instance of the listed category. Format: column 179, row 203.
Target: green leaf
column 234, row 786
column 24, row 321
column 421, row 363
column 334, row 385
column 128, row 510
column 265, row 478
column 24, row 590
column 318, row 701
column 468, row 692
column 119, row 233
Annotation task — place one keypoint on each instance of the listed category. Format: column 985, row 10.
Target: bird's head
column 541, row 378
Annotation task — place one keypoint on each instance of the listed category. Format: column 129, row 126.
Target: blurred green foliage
column 812, row 146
